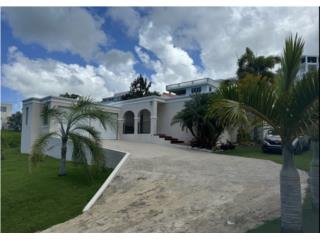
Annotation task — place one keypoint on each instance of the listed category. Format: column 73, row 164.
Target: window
column 312, row 59
column 27, row 115
column 210, row 89
column 45, row 119
column 3, row 109
column 196, row 90
column 303, row 59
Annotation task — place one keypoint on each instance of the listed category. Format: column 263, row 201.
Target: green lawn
column 34, row 201
column 302, row 161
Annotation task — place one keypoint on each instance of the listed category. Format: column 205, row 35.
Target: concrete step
column 176, row 141
column 169, row 138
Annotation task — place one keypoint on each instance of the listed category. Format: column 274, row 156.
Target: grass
column 302, row 161
column 34, row 201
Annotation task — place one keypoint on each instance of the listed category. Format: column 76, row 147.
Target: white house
column 6, row 112
column 146, row 119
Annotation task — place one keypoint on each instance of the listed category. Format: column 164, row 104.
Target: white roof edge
column 64, row 100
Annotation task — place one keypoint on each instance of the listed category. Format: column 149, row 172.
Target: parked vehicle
column 272, row 143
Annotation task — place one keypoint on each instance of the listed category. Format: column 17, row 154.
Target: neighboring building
column 116, row 97
column 146, row 119
column 308, row 63
column 204, row 85
column 6, row 111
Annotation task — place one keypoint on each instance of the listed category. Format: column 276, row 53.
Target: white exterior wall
column 35, row 127
column 135, row 107
column 166, row 112
column 31, row 130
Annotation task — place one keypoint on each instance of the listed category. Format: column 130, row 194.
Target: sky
column 99, row 51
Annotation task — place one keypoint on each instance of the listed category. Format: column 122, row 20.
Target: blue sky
column 99, row 51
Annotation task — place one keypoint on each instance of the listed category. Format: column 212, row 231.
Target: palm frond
column 230, row 113
column 86, row 108
column 233, row 102
column 86, row 149
column 48, row 113
column 290, row 62
column 88, row 129
column 39, row 147
column 304, row 104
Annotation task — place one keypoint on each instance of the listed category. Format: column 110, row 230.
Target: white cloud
column 143, row 56
column 39, row 78
column 129, row 18
column 174, row 64
column 165, row 36
column 58, row 29
column 221, row 34
column 117, row 61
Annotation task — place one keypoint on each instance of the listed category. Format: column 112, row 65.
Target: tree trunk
column 290, row 190
column 62, row 168
column 314, row 174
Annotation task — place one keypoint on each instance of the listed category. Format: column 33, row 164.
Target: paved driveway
column 171, row 189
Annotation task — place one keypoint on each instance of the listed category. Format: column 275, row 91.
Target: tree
column 140, row 87
column 286, row 107
column 15, row 121
column 85, row 139
column 248, row 63
column 193, row 118
column 72, row 95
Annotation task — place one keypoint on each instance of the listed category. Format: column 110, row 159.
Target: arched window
column 128, row 124
column 144, row 121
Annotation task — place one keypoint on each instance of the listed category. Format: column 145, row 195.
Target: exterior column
column 154, row 118
column 136, row 125
column 120, row 128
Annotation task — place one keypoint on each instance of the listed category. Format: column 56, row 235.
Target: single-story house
column 146, row 119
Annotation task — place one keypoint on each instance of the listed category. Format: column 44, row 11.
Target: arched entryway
column 144, row 121
column 128, row 124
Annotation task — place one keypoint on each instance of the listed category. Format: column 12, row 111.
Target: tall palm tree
column 285, row 107
column 248, row 63
column 74, row 128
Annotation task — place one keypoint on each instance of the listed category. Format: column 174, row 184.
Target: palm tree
column 205, row 131
column 284, row 106
column 73, row 128
column 248, row 63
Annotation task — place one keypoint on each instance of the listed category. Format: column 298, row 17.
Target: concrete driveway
column 171, row 189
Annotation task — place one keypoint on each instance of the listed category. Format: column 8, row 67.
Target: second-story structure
column 308, row 63
column 204, row 85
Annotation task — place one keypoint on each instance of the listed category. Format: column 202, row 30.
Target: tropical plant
column 313, row 132
column 248, row 63
column 286, row 107
column 73, row 128
column 140, row 87
column 15, row 121
column 192, row 117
